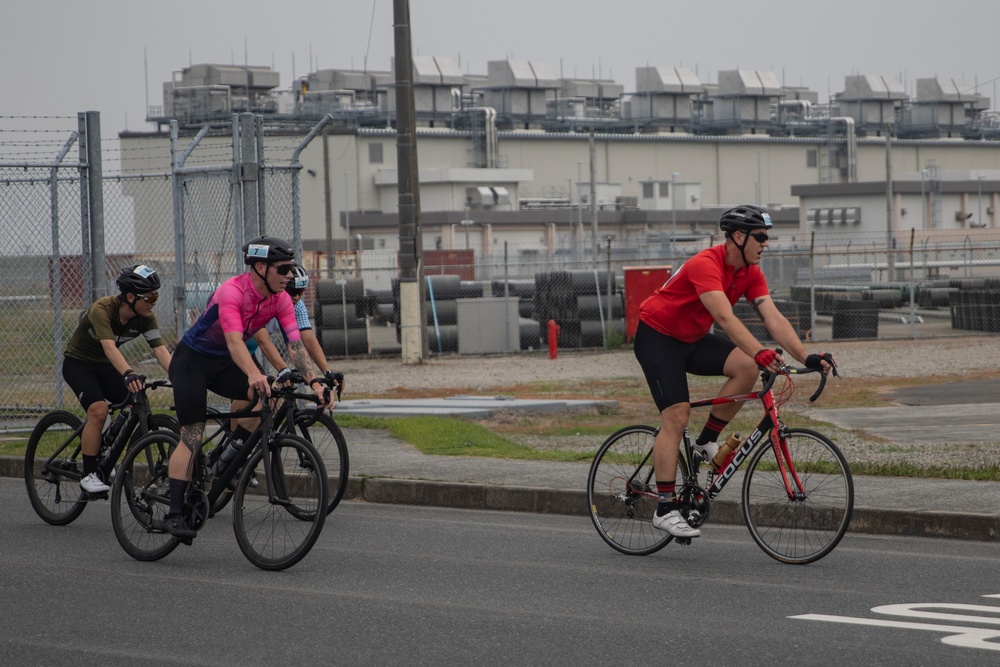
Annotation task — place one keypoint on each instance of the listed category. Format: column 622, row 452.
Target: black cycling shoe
column 175, row 525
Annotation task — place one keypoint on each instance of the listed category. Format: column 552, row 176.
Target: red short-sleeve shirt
column 676, row 310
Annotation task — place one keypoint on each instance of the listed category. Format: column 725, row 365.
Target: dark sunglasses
column 283, row 269
column 149, row 298
column 759, row 237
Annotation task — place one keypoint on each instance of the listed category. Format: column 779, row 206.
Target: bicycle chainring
column 196, row 508
column 694, row 505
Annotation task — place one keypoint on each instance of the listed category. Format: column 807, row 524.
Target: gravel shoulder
column 866, row 359
column 942, row 358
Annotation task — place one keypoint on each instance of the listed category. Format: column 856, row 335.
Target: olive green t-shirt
column 101, row 322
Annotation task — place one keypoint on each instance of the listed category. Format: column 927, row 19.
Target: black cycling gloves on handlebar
column 815, row 362
column 284, row 375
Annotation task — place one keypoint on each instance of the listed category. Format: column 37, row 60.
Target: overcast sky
column 60, row 57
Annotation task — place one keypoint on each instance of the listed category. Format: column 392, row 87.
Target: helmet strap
column 263, row 276
column 743, row 246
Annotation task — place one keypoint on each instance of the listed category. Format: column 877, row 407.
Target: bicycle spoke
column 807, row 526
column 620, row 493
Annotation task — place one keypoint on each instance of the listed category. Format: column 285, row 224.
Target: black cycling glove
column 814, row 362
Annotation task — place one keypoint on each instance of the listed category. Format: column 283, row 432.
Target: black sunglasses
column 283, row 269
column 759, row 237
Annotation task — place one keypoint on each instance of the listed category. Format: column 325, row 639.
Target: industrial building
column 521, row 157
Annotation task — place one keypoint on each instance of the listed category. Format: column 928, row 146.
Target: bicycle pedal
column 685, row 541
column 187, row 541
column 87, row 496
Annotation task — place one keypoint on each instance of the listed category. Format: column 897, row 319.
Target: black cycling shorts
column 94, row 381
column 193, row 374
column 666, row 361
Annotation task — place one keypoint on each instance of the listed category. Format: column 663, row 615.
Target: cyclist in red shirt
column 674, row 338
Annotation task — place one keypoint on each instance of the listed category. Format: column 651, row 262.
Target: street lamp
column 673, row 210
column 347, row 210
column 579, row 206
column 467, row 222
column 923, row 200
column 979, row 221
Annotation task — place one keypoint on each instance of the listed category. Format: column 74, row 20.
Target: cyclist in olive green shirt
column 95, row 369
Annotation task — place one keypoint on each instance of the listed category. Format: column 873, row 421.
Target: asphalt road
column 413, row 585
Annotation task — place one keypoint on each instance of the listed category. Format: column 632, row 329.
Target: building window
column 664, row 189
column 375, row 153
column 811, row 158
column 647, row 190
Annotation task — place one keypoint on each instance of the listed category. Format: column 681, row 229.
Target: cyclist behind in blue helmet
column 674, row 338
column 296, row 288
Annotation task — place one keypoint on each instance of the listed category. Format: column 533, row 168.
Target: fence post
column 180, row 279
column 244, row 158
column 92, row 200
column 57, row 329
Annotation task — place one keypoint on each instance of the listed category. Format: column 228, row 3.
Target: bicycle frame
column 769, row 425
column 138, row 420
column 271, row 420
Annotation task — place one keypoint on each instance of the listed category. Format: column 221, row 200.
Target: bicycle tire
column 331, row 445
column 276, row 527
column 804, row 530
column 140, row 497
column 623, row 515
column 54, row 489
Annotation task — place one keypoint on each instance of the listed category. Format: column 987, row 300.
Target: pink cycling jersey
column 238, row 306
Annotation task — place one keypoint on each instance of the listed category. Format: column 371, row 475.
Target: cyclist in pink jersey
column 213, row 355
column 674, row 338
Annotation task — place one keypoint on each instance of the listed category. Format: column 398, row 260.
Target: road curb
column 865, row 520
column 466, row 495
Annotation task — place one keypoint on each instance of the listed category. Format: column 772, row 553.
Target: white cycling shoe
column 93, row 483
column 673, row 523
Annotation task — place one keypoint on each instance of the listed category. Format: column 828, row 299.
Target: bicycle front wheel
column 808, row 525
column 140, row 497
column 621, row 492
column 52, row 468
column 277, row 522
column 325, row 435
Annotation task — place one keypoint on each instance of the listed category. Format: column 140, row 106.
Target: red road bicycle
column 797, row 497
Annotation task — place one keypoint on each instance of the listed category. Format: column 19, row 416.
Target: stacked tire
column 578, row 302
column 339, row 315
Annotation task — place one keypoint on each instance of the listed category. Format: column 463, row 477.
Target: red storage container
column 640, row 282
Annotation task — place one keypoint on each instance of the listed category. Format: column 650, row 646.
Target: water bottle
column 228, row 454
column 116, row 426
column 731, row 443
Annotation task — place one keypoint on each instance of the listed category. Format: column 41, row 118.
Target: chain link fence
column 847, row 288
column 67, row 241
column 189, row 223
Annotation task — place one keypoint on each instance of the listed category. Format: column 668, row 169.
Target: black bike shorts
column 666, row 361
column 193, row 374
column 94, row 381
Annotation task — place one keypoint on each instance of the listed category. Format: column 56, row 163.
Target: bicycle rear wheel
column 805, row 528
column 52, row 468
column 140, row 497
column 621, row 492
column 277, row 522
column 325, row 435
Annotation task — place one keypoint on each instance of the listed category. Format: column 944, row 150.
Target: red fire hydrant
column 553, row 339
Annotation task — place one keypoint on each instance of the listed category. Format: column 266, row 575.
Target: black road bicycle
column 53, row 463
column 279, row 502
column 316, row 426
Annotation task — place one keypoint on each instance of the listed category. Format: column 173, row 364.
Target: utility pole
column 411, row 266
column 593, row 197
column 889, row 256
